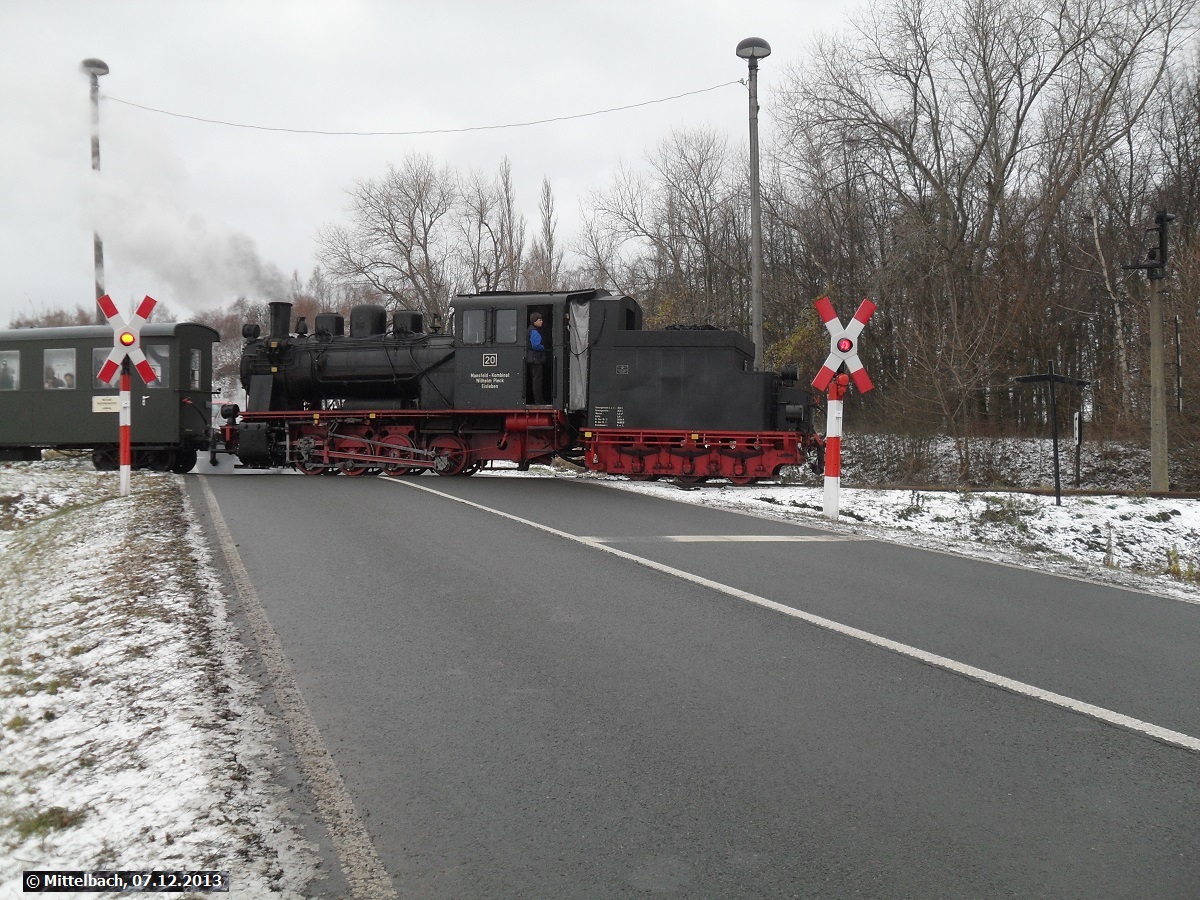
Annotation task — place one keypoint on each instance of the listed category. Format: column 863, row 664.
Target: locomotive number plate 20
column 491, row 359
column 622, row 370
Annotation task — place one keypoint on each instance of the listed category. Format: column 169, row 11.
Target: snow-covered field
column 131, row 738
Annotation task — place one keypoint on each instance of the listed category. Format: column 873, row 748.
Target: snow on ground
column 130, row 738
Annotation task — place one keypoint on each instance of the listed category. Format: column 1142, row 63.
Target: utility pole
column 94, row 68
column 1159, row 479
column 1154, row 262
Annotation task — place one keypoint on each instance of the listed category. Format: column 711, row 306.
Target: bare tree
column 399, row 242
column 679, row 229
column 599, row 250
column 491, row 233
column 54, row 318
column 976, row 119
column 543, row 268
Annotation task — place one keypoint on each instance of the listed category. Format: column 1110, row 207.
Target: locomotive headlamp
column 845, row 345
column 127, row 338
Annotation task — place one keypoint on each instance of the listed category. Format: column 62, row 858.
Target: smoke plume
column 183, row 258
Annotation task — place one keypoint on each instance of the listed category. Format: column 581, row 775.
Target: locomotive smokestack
column 281, row 319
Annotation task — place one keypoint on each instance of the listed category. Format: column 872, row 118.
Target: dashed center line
column 1157, row 732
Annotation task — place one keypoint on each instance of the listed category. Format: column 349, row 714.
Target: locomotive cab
column 491, row 339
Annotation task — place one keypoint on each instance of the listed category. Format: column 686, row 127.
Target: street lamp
column 753, row 49
column 94, row 68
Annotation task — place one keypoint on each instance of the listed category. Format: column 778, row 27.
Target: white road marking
column 1165, row 735
column 360, row 863
column 723, row 538
column 879, row 533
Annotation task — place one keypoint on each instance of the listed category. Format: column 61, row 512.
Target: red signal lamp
column 127, row 339
column 845, row 345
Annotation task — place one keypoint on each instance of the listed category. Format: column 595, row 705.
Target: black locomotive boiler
column 388, row 396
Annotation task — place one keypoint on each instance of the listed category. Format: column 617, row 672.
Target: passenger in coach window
column 69, row 381
column 7, row 382
column 52, row 380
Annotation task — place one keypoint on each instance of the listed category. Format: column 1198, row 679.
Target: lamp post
column 753, row 49
column 94, row 68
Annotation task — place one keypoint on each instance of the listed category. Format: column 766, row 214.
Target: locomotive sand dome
column 390, row 397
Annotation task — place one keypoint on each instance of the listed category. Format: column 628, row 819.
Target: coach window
column 59, row 368
column 10, row 370
column 99, row 357
column 506, row 326
column 474, row 323
column 159, row 357
column 194, row 371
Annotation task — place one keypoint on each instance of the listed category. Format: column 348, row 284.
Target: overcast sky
column 175, row 195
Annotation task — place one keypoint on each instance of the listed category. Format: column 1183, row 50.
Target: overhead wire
column 427, row 131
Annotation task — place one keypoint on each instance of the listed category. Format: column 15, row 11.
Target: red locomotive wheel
column 396, row 447
column 309, row 455
column 353, row 467
column 450, row 454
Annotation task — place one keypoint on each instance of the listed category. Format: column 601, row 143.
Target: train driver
column 536, row 358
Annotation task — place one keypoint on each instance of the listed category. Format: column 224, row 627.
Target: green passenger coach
column 50, row 396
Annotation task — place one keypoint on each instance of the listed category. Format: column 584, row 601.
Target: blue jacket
column 535, row 340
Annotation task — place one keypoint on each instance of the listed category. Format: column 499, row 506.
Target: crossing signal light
column 128, row 338
column 1156, row 248
column 845, row 345
column 1162, row 220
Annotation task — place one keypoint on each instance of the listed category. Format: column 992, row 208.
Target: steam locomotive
column 392, row 397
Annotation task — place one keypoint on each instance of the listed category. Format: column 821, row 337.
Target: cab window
column 474, row 326
column 506, row 326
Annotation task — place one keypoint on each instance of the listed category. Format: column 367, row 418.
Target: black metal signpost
column 1053, row 379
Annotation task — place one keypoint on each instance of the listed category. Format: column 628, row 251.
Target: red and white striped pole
column 833, row 445
column 126, row 354
column 843, row 351
column 125, row 420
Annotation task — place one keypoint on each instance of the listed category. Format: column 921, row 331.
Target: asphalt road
column 517, row 713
